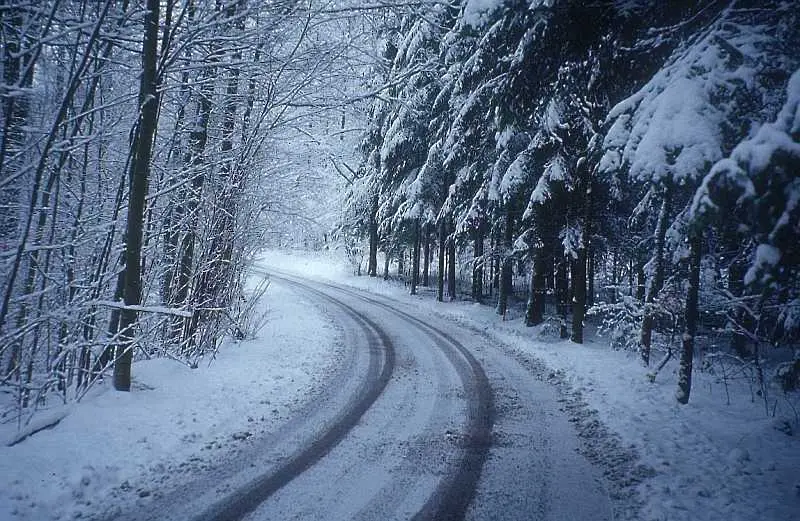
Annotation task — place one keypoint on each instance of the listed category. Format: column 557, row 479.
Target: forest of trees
column 636, row 160
column 632, row 159
column 137, row 164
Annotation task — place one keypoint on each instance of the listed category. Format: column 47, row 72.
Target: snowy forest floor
column 113, row 448
column 707, row 460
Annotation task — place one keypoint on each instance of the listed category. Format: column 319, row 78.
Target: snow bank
column 174, row 416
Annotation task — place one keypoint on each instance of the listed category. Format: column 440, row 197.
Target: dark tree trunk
column 477, row 263
column 451, row 264
column 640, row 280
column 415, row 260
column 562, row 296
column 16, row 108
column 139, row 174
column 401, row 263
column 218, row 280
column 224, row 239
column 507, row 266
column 578, row 295
column 590, row 267
column 188, row 207
column 17, row 75
column 372, row 262
column 646, row 335
column 15, row 117
column 690, row 319
column 440, row 272
column 611, row 293
column 386, row 261
column 490, row 285
column 426, row 263
column 534, row 314
column 580, row 265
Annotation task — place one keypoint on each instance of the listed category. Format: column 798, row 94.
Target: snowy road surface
column 429, row 422
column 313, row 414
column 355, row 405
column 422, row 420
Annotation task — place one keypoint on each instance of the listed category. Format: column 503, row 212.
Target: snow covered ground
column 117, row 446
column 707, row 460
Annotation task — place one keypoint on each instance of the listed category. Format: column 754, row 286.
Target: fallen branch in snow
column 37, row 425
column 146, row 309
column 652, row 375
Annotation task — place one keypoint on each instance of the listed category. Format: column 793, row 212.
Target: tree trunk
column 426, row 266
column 640, row 280
column 690, row 319
column 646, row 335
column 12, row 141
column 534, row 314
column 580, row 264
column 451, row 264
column 220, row 280
column 440, row 272
column 506, row 275
column 578, row 295
column 139, row 173
column 44, row 145
column 415, row 260
column 17, row 75
column 494, row 263
column 562, row 296
column 188, row 208
column 590, row 270
column 477, row 263
column 372, row 262
column 610, row 292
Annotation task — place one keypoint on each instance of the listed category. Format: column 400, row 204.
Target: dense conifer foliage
column 633, row 160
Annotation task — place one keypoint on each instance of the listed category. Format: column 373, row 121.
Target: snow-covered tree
column 756, row 191
column 667, row 135
column 573, row 137
column 132, row 203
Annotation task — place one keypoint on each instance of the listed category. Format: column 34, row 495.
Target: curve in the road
column 454, row 493
column 381, row 366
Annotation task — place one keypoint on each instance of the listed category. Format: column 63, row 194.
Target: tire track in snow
column 453, row 494
column 381, row 366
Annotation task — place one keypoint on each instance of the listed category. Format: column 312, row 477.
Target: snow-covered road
column 422, row 420
column 418, row 449
column 357, row 401
column 425, row 448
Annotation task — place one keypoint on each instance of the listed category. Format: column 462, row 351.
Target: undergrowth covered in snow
column 113, row 448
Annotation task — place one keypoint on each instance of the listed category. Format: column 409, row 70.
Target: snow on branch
column 758, row 186
column 163, row 310
column 680, row 123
